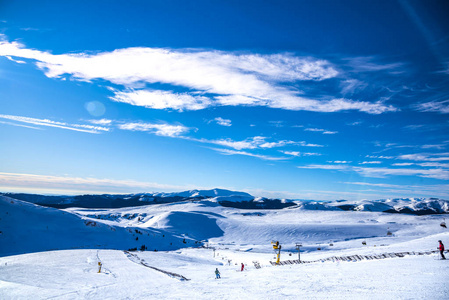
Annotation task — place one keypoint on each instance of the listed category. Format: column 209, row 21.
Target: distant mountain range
column 242, row 200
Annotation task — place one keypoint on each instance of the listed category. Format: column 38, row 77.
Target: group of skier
column 440, row 248
column 217, row 272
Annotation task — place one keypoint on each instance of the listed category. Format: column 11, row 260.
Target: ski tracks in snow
column 136, row 259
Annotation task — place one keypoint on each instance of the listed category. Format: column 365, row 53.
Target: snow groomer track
column 354, row 258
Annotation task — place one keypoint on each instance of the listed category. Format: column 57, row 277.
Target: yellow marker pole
column 99, row 267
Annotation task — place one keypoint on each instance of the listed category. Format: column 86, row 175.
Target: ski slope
column 50, row 253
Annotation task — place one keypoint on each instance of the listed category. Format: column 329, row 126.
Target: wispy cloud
column 425, row 157
column 323, row 131
column 257, row 142
column 356, row 123
column 351, row 86
column 104, row 122
column 435, row 164
column 383, row 172
column 50, row 123
column 245, row 153
column 162, row 99
column 379, row 156
column 158, row 129
column 212, row 77
column 371, row 64
column 299, row 154
column 325, row 167
column 277, row 124
column 20, row 125
column 402, row 164
column 438, row 173
column 436, row 146
column 374, row 162
column 441, row 107
column 223, row 122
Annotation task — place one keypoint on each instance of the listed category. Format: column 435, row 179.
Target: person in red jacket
column 243, row 266
column 441, row 248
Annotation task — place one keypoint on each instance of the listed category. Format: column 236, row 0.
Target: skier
column 243, row 266
column 217, row 273
column 441, row 248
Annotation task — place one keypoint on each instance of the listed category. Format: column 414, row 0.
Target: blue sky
column 294, row 99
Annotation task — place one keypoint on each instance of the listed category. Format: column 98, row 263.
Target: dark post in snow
column 298, row 246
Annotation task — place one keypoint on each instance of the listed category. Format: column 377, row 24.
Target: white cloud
column 162, row 100
column 257, row 142
column 158, row 129
column 351, row 86
column 441, row 107
column 234, row 152
column 383, row 185
column 425, row 157
column 20, row 125
column 369, row 64
column 356, row 123
column 370, row 162
column 298, row 154
column 379, row 157
column 50, row 123
column 435, row 164
column 383, row 172
column 104, row 122
column 325, row 167
column 227, row 78
column 402, row 164
column 223, row 122
column 304, row 144
column 439, row 146
column 323, row 131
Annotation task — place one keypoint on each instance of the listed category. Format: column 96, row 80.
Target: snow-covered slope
column 418, row 206
column 27, row 227
column 234, row 236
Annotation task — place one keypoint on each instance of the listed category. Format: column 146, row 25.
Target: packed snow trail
column 136, row 259
column 353, row 258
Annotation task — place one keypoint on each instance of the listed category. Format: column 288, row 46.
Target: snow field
column 72, row 274
column 238, row 236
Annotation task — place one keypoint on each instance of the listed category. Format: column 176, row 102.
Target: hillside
column 47, row 252
column 242, row 200
column 27, row 227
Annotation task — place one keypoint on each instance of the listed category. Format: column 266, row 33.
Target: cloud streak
column 441, row 107
column 50, row 123
column 323, row 131
column 158, row 129
column 438, row 173
column 245, row 153
column 213, row 78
